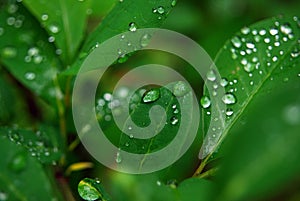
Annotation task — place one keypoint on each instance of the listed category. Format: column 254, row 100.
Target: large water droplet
column 180, row 89
column 151, row 96
column 87, row 189
column 205, row 102
column 132, row 27
column 229, row 99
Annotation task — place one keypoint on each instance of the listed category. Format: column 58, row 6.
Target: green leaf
column 259, row 59
column 261, row 156
column 65, row 20
column 125, row 14
column 26, row 52
column 22, row 177
column 42, row 144
column 174, row 129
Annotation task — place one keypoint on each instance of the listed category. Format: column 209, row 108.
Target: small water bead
column 295, row 54
column 30, row 76
column 286, row 79
column 176, row 111
column 250, row 45
column 151, row 96
column 161, row 10
column 132, row 27
column 267, row 40
column 229, row 112
column 262, row 32
column 229, row 99
column 244, row 61
column 44, row 17
column 1, row 31
column 205, row 102
column 273, row 31
column 180, row 89
column 10, row 21
column 274, row 59
column 18, row 162
column 211, row 76
column 245, row 30
column 58, row 51
column 251, row 83
column 286, row 29
column 277, row 44
column 223, row 82
column 9, row 52
column 38, row 59
column 254, row 32
column 118, row 158
column 51, row 39
column 174, row 120
column 54, row 29
column 145, row 40
column 236, row 42
column 173, row 3
column 249, row 67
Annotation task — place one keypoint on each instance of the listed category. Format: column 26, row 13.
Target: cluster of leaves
column 42, row 46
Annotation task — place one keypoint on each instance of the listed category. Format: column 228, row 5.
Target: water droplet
column 118, row 158
column 229, row 99
column 33, row 51
column 54, row 29
column 87, row 189
column 249, row 67
column 262, row 32
column 236, row 42
column 151, row 96
column 180, row 89
column 51, row 39
column 145, row 40
column 250, row 45
column 158, row 183
column 224, row 82
column 58, row 51
column 286, row 79
column 176, row 111
column 9, row 52
column 161, row 10
column 286, row 29
column 245, row 30
column 291, row 114
column 211, row 76
column 267, row 40
column 30, row 76
column 174, row 120
column 1, row 31
column 44, row 17
column 173, row 3
column 229, row 112
column 132, row 27
column 273, row 31
column 205, row 102
column 10, row 21
column 274, row 59
column 107, row 97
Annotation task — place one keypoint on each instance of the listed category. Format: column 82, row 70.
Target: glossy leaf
column 22, row 177
column 91, row 189
column 261, row 156
column 259, row 59
column 64, row 20
column 125, row 14
column 26, row 52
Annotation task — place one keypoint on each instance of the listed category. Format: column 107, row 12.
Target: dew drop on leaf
column 224, row 82
column 205, row 102
column 145, row 40
column 151, row 96
column 180, row 89
column 236, row 42
column 3, row 196
column 54, row 29
column 249, row 67
column 229, row 99
column 211, row 76
column 44, row 17
column 173, row 3
column 174, row 120
column 30, row 76
column 118, row 157
column 87, row 190
column 132, row 27
column 229, row 112
column 161, row 10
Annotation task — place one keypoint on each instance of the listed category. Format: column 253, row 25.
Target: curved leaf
column 26, row 52
column 260, row 58
column 65, row 20
column 139, row 14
